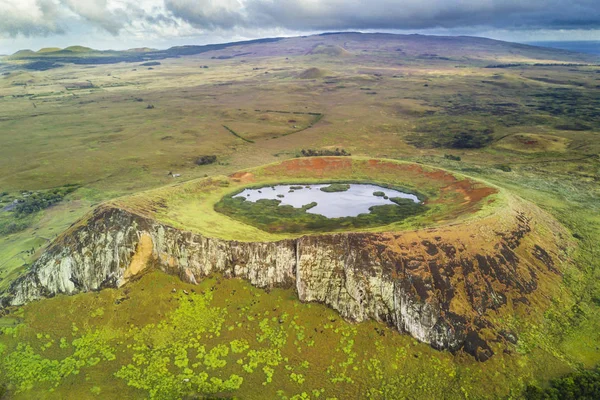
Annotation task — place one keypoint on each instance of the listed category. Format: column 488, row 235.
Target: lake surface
column 356, row 200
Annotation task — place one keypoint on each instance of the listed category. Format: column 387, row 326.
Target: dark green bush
column 582, row 385
column 150, row 64
column 503, row 167
column 8, row 227
column 321, row 153
column 42, row 200
column 205, row 160
column 472, row 140
column 575, row 126
column 451, row 157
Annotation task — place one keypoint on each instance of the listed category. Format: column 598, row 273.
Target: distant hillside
column 583, row 46
column 24, row 53
column 49, row 50
column 312, row 73
column 79, row 49
column 330, row 50
column 141, row 50
column 453, row 49
column 54, row 52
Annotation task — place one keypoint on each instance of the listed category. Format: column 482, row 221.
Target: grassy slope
column 296, row 348
column 108, row 141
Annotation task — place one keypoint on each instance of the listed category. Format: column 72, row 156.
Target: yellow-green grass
column 298, row 348
column 191, row 206
column 534, row 143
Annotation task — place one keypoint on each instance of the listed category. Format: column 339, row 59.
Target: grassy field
column 531, row 130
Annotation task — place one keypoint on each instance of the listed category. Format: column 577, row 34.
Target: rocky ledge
column 441, row 287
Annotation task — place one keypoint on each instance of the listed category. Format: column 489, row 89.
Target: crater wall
column 444, row 286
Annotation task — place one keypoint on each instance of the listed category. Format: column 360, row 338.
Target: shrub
column 321, row 153
column 42, row 200
column 583, row 385
column 503, row 167
column 13, row 226
column 575, row 126
column 206, row 160
column 451, row 157
column 472, row 140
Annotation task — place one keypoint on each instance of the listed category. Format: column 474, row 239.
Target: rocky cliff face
column 436, row 286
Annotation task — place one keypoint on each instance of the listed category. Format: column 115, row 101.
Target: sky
column 124, row 24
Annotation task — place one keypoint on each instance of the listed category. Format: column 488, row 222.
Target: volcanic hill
column 448, row 277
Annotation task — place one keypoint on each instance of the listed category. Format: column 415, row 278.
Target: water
column 356, row 200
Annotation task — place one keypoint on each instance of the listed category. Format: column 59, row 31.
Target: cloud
column 210, row 14
column 386, row 14
column 29, row 18
column 181, row 17
column 97, row 13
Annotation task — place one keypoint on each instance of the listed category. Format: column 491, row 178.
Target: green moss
column 25, row 368
column 163, row 345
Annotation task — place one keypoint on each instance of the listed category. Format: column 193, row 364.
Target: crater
column 472, row 257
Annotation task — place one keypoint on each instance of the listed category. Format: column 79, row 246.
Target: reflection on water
column 356, row 200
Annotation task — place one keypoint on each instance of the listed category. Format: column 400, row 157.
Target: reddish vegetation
column 437, row 175
column 471, row 193
column 317, row 165
column 243, row 177
column 528, row 141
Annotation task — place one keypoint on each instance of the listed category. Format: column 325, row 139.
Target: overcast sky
column 121, row 24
